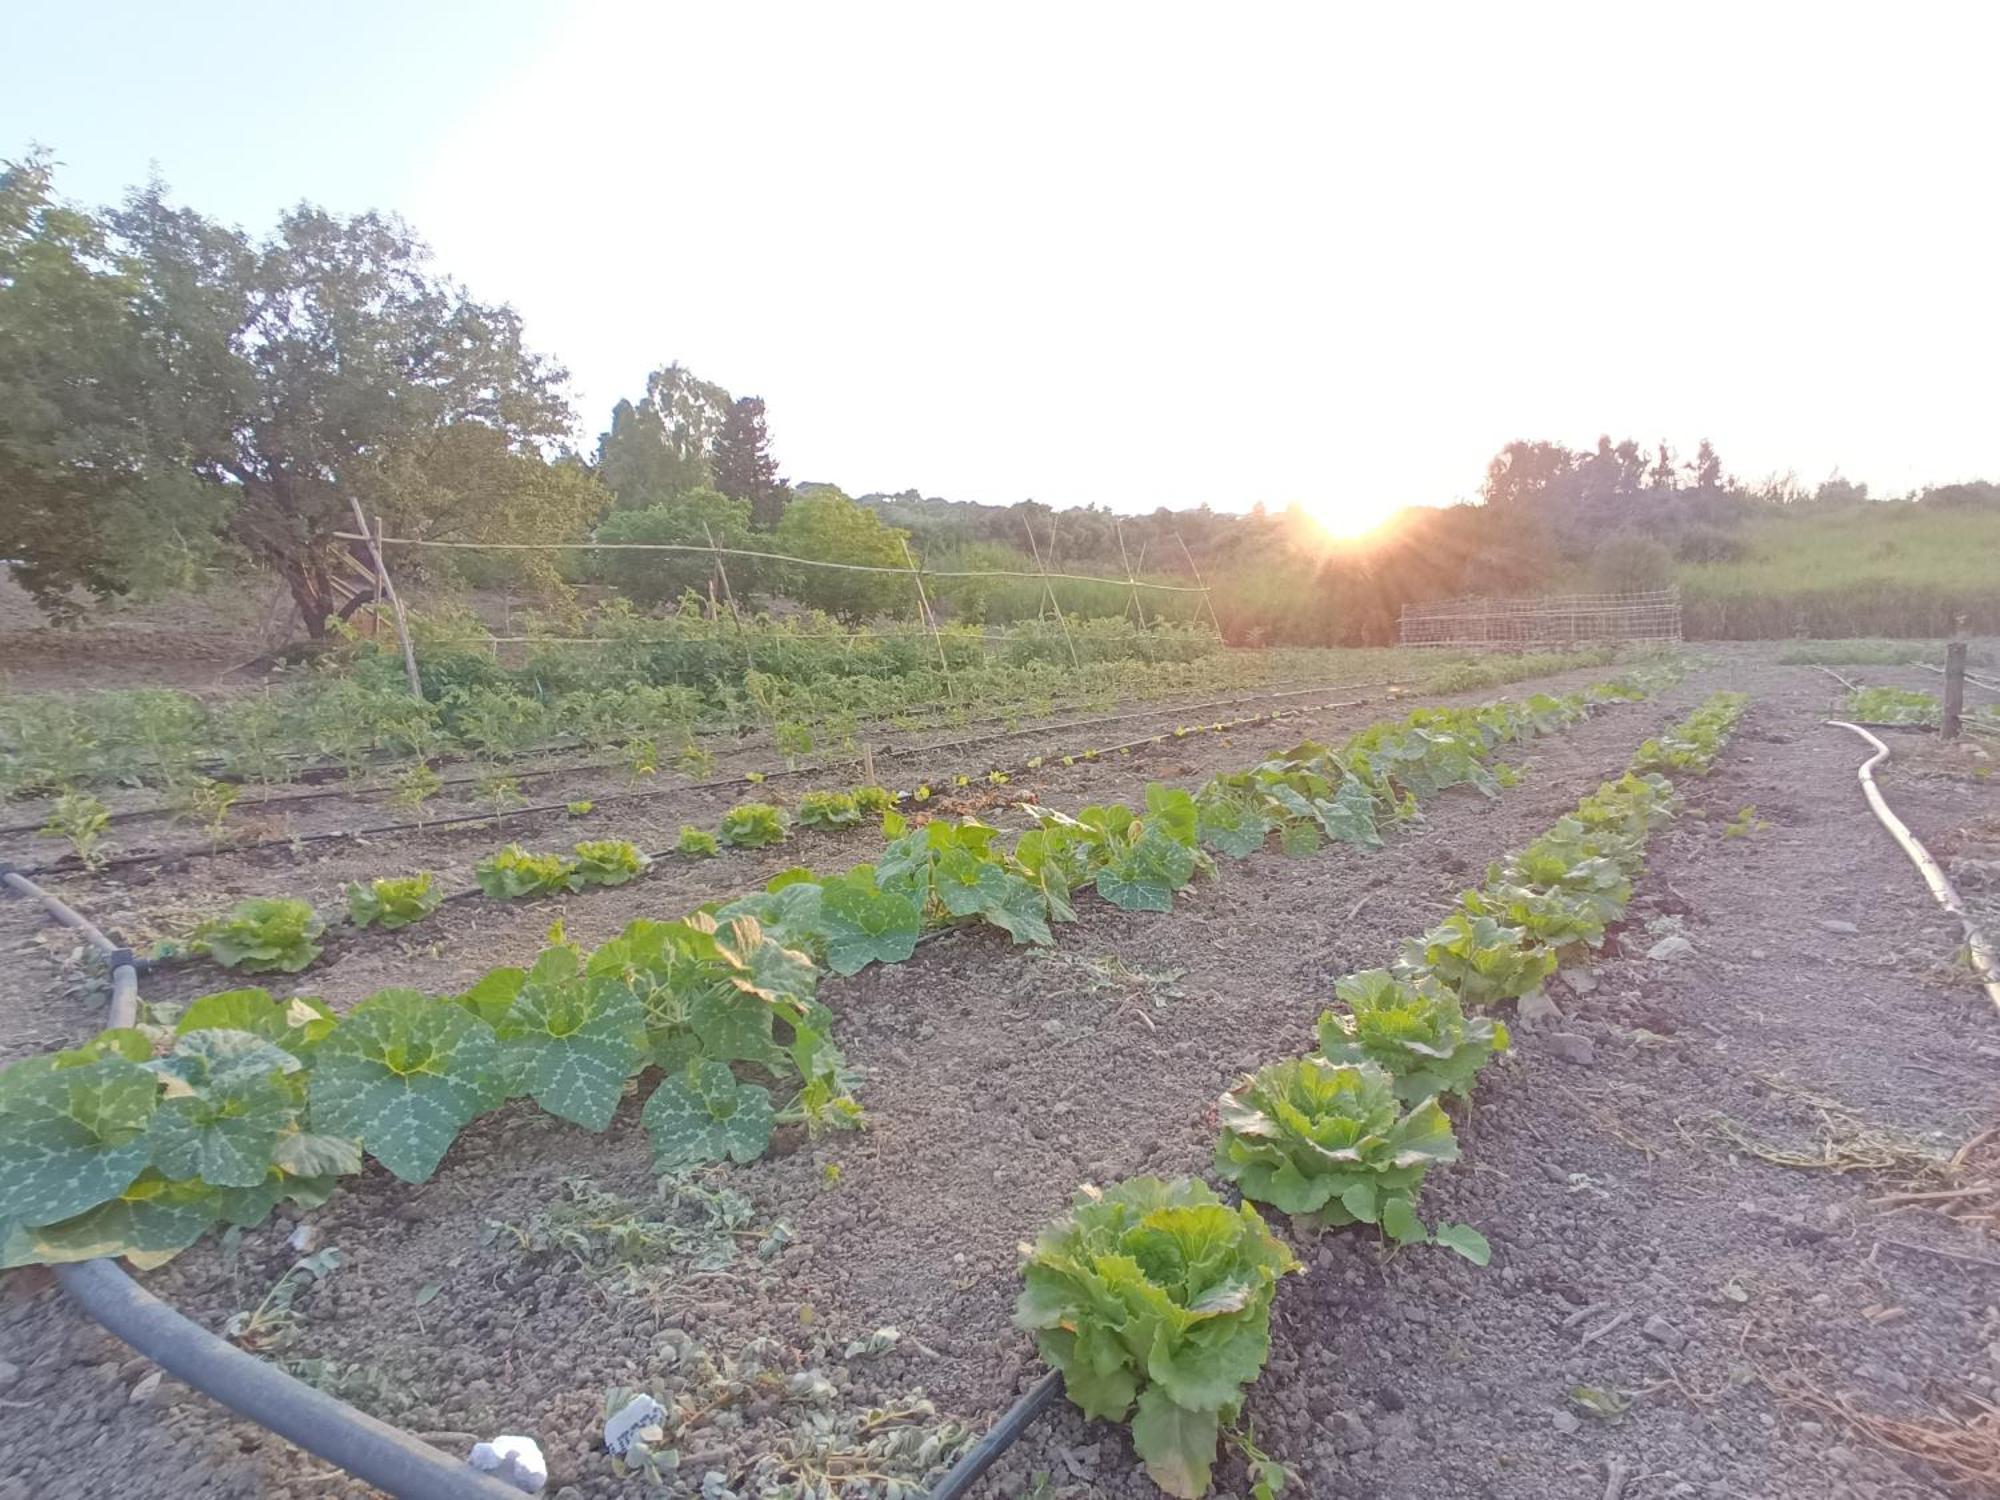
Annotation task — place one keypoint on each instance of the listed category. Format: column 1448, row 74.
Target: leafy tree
column 1662, row 476
column 744, row 468
column 1707, row 467
column 1839, row 491
column 286, row 371
column 825, row 525
column 663, row 446
column 86, row 500
column 662, row 577
column 1522, row 473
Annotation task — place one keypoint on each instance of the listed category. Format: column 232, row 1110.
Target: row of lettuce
column 142, row 1139
column 1154, row 1297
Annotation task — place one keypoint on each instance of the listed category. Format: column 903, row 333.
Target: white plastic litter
column 631, row 1419
column 513, row 1460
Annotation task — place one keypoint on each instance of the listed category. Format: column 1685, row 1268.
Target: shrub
column 1156, row 1293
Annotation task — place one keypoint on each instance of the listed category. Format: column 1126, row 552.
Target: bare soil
column 1753, row 1325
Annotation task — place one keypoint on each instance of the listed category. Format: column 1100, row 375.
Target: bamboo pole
column 1133, row 591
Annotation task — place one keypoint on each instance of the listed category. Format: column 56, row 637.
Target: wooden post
column 374, row 539
column 1132, row 584
column 1049, row 593
column 375, row 615
column 929, row 619
column 1200, row 583
column 1954, row 688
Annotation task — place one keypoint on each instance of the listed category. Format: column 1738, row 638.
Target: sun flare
column 1351, row 518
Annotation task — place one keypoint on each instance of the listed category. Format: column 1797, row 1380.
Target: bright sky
column 1139, row 254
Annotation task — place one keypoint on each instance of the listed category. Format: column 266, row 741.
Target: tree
column 86, row 500
column 1662, row 475
column 744, row 468
column 829, row 527
column 1522, row 473
column 689, row 519
column 286, row 372
column 1707, row 467
column 663, row 446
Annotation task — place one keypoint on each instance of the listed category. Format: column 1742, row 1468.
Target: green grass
column 1885, row 569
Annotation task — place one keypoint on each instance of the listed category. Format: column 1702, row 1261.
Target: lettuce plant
column 514, row 873
column 696, row 843
column 263, row 935
column 1156, row 1294
column 752, row 825
column 829, row 810
column 390, row 902
column 1330, row 1144
column 874, row 800
column 609, row 862
column 1414, row 1030
column 1481, row 960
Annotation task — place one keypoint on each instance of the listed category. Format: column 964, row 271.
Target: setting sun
column 1350, row 518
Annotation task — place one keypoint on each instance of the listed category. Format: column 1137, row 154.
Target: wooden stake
column 924, row 610
column 1049, row 592
column 374, row 539
column 1954, row 688
column 1213, row 618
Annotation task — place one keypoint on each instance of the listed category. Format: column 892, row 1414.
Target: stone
column 1572, row 1048
column 1672, row 946
column 1660, row 1331
column 1581, row 981
column 516, row 1461
column 1844, row 929
column 1537, row 1006
column 626, row 1423
column 1565, row 1422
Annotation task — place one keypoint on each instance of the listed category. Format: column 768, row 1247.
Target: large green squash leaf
column 403, row 1074
column 864, row 924
column 705, row 1115
column 572, row 1042
column 229, row 1095
column 72, row 1136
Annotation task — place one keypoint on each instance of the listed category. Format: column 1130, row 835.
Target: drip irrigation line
column 69, row 865
column 1984, row 963
column 372, row 1451
column 1970, row 676
column 980, row 1457
column 139, row 814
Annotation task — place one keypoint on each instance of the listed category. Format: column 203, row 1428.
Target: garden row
column 112, row 1148
column 1917, row 710
column 356, row 717
column 1154, row 1297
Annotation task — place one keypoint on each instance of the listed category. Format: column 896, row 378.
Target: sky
column 1138, row 254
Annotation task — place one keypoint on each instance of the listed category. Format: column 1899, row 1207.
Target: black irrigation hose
column 70, row 865
column 372, row 1451
column 980, row 1457
column 1165, row 706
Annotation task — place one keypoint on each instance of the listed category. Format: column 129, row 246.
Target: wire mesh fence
column 1553, row 620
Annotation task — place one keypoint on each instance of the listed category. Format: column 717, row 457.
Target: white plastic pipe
column 1983, row 962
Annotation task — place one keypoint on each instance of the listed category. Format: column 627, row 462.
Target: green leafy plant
column 580, row 808
column 208, row 801
column 514, row 874
column 1479, row 959
column 263, row 935
column 390, row 902
column 829, row 810
column 414, row 786
column 697, row 843
column 1745, row 823
column 1414, row 1030
column 875, row 800
column 1154, row 1300
column 1331, row 1144
column 752, row 825
column 609, row 862
column 80, row 820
